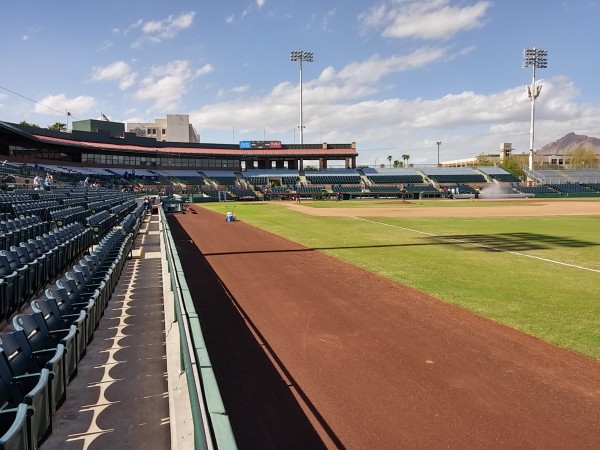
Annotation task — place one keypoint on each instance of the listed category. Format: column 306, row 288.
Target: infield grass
column 540, row 275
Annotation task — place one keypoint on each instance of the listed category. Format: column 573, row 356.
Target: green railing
column 212, row 428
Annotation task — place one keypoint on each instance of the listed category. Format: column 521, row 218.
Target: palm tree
column 405, row 159
column 389, row 158
column 58, row 126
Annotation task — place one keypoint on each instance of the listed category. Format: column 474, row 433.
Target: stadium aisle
column 119, row 397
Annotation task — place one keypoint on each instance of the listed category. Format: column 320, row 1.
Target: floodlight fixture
column 301, row 56
column 534, row 58
column 438, row 144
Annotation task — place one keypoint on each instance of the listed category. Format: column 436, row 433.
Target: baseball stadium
column 281, row 296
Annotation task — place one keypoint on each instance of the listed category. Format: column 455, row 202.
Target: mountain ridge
column 570, row 142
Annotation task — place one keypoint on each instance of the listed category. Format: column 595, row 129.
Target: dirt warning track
column 311, row 352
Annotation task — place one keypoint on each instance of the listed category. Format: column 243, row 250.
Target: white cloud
column 246, row 12
column 374, row 68
column 205, row 69
column 234, row 90
column 325, row 22
column 116, row 71
column 105, row 45
column 158, row 30
column 240, row 89
column 55, row 105
column 124, row 32
column 433, row 19
column 165, row 85
column 260, row 3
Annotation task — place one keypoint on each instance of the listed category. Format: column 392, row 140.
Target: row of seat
column 27, row 268
column 101, row 221
column 69, row 215
column 38, row 208
column 16, row 230
column 48, row 341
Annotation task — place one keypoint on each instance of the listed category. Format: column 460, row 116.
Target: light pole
column 438, row 144
column 300, row 55
column 534, row 58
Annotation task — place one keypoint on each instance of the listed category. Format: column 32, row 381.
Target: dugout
column 172, row 205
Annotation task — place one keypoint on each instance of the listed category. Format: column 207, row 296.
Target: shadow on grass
column 262, row 408
column 514, row 242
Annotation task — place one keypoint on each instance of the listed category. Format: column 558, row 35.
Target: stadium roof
column 102, row 140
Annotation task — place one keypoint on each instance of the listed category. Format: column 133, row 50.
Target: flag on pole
column 104, row 118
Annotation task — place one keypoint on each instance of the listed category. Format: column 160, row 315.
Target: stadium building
column 105, row 144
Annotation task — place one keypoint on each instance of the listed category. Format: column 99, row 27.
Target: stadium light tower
column 534, row 58
column 300, row 55
column 438, row 144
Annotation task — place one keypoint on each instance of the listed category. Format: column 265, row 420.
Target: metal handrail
column 212, row 428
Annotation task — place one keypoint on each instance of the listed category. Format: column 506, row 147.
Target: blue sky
column 394, row 76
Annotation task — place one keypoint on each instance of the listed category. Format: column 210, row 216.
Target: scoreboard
column 260, row 144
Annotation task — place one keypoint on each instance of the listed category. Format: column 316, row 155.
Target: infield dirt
column 506, row 208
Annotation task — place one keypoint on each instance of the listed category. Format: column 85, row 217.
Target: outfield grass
column 483, row 264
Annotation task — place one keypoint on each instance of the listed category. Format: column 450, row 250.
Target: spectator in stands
column 86, row 182
column 49, row 181
column 37, row 182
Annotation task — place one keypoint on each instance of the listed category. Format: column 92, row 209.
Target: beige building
column 175, row 128
column 506, row 150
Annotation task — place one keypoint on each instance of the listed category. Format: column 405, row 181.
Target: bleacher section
column 574, row 189
column 333, row 176
column 347, row 189
column 593, row 186
column 384, row 189
column 390, row 176
column 537, row 190
column 453, row 175
column 220, row 177
column 562, row 176
column 69, row 285
column 261, row 177
column 498, row 174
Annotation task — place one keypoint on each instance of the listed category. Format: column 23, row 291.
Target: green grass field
column 540, row 275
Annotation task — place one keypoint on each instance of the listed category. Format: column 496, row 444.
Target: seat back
column 33, row 390
column 5, row 268
column 14, row 429
column 56, row 323
column 18, row 352
column 43, row 353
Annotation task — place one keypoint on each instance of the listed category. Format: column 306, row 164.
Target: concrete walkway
column 119, row 398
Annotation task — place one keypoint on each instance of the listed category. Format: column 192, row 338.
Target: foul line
column 575, row 266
